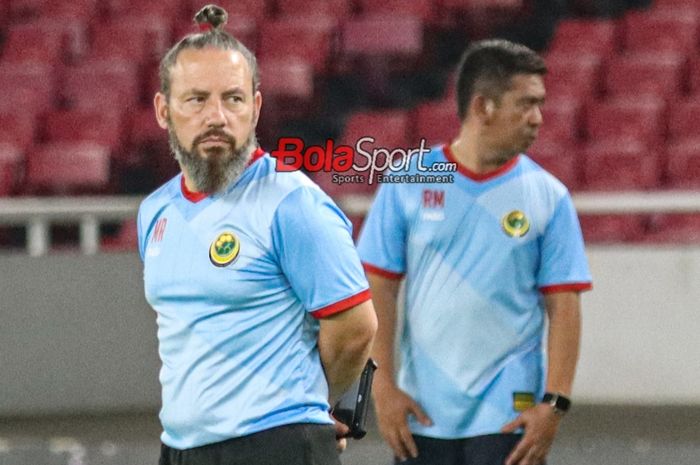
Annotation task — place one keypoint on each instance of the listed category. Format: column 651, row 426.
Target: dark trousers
column 491, row 449
column 298, row 444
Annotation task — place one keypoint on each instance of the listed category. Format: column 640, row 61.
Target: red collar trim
column 189, row 195
column 479, row 177
column 199, row 196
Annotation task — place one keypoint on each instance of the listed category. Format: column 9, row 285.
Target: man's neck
column 473, row 153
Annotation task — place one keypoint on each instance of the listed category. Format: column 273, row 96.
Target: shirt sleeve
column 382, row 241
column 141, row 235
column 313, row 242
column 563, row 263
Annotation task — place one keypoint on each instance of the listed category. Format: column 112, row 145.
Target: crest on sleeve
column 515, row 224
column 224, row 250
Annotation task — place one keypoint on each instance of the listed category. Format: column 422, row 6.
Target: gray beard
column 222, row 167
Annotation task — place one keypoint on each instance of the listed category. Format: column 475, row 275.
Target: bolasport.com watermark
column 362, row 163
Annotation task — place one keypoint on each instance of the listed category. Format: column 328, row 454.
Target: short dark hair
column 211, row 20
column 488, row 66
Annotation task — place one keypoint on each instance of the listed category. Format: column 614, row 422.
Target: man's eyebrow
column 197, row 91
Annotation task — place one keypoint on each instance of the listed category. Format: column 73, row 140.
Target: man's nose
column 536, row 116
column 214, row 114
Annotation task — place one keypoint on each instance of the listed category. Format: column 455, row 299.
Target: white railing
column 37, row 214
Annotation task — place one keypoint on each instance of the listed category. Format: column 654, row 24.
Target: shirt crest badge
column 515, row 224
column 224, row 249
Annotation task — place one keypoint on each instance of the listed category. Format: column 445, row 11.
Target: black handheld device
column 352, row 406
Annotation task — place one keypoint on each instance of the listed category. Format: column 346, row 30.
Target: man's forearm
column 384, row 293
column 344, row 344
column 563, row 341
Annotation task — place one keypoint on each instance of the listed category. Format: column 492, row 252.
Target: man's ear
column 258, row 106
column 160, row 103
column 483, row 107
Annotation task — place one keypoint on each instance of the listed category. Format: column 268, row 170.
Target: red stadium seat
column 135, row 38
column 574, row 76
column 588, row 36
column 383, row 35
column 125, row 240
column 64, row 167
column 389, row 129
column 32, row 87
column 104, row 127
column 561, row 160
column 77, row 9
column 684, row 120
column 424, row 9
column 18, row 129
column 47, row 40
column 562, row 120
column 100, row 85
column 287, row 77
column 639, row 74
column 311, row 38
column 674, row 228
column 339, row 9
column 11, row 167
column 689, row 4
column 436, row 122
column 694, row 75
column 639, row 120
column 164, row 9
column 625, row 164
column 661, row 30
column 608, row 228
column 683, row 158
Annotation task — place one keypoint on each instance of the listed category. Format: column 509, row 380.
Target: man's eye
column 196, row 99
column 235, row 98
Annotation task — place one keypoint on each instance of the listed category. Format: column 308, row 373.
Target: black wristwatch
column 559, row 402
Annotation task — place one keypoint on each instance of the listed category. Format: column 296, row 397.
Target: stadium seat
column 641, row 120
column 436, row 122
column 588, row 36
column 684, row 119
column 100, row 126
column 125, row 240
column 138, row 39
column 67, row 167
column 640, row 74
column 424, row 9
column 561, row 120
column 661, row 30
column 309, row 37
column 32, row 87
column 683, row 159
column 167, row 10
column 383, row 35
column 559, row 159
column 694, row 75
column 11, row 167
column 339, row 9
column 99, row 85
column 608, row 228
column 389, row 128
column 18, row 129
column 683, row 228
column 287, row 77
column 20, row 10
column 624, row 164
column 47, row 40
column 574, row 76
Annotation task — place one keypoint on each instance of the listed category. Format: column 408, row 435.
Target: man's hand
column 540, row 424
column 341, row 431
column 393, row 407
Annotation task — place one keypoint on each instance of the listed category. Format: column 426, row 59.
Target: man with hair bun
column 263, row 310
column 487, row 260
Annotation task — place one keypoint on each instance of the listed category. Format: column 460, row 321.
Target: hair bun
column 211, row 17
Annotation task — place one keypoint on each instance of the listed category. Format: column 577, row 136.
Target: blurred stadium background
column 79, row 146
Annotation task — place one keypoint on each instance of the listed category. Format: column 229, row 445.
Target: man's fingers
column 396, row 445
column 513, row 425
column 341, row 444
column 420, row 415
column 518, row 453
column 408, row 442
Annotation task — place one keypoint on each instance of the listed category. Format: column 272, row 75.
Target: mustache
column 214, row 133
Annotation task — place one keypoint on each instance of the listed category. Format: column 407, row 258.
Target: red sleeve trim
column 579, row 287
column 381, row 271
column 342, row 305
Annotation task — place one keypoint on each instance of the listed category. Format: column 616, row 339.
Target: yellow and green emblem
column 515, row 224
column 224, row 250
